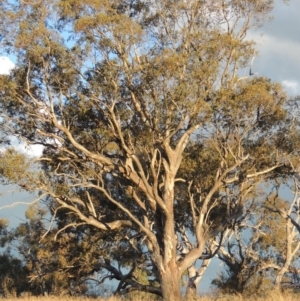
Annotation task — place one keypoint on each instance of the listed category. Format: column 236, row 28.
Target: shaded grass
column 271, row 296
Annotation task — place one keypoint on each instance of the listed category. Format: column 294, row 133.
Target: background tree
column 267, row 256
column 245, row 260
column 145, row 123
column 12, row 276
column 286, row 243
column 13, row 273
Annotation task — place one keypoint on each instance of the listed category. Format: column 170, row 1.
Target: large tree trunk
column 170, row 284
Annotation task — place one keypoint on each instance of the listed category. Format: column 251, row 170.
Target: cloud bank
column 6, row 65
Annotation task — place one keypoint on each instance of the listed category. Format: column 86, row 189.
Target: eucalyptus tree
column 145, row 122
column 249, row 252
column 267, row 257
column 283, row 242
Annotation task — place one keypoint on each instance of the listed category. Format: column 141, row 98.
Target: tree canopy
column 149, row 132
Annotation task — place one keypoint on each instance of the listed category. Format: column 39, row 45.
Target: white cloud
column 278, row 45
column 292, row 87
column 6, row 65
column 33, row 151
column 30, row 150
column 278, row 60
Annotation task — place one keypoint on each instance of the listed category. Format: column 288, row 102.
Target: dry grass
column 272, row 296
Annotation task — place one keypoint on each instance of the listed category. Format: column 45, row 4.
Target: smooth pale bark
column 170, row 283
column 279, row 276
column 195, row 277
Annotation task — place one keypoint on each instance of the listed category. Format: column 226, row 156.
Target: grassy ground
column 272, row 296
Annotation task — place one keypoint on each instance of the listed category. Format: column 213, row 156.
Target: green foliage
column 3, row 224
column 13, row 165
column 3, row 231
column 13, row 275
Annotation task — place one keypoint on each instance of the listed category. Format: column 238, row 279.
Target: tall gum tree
column 287, row 244
column 145, row 122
